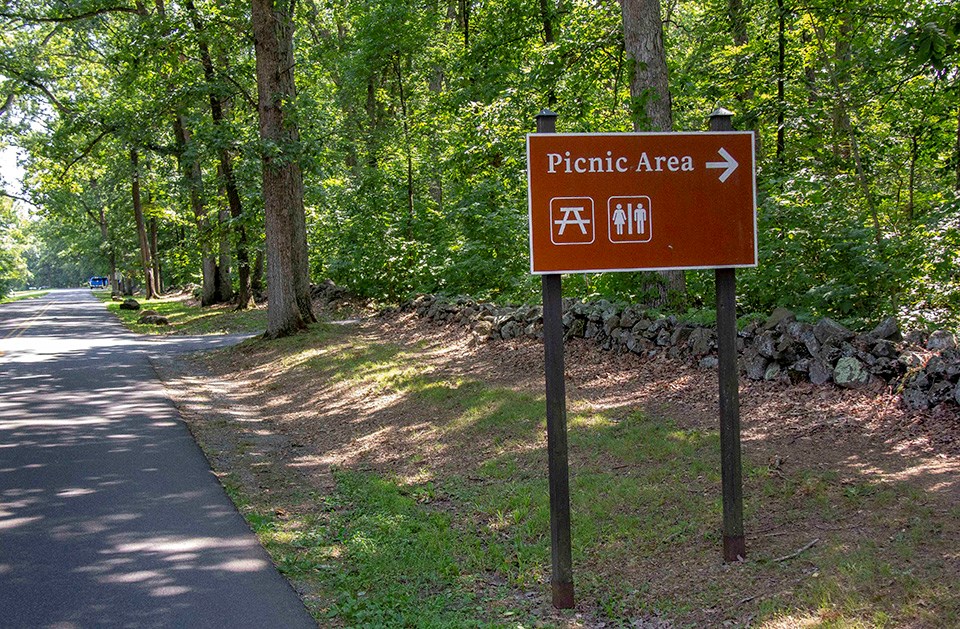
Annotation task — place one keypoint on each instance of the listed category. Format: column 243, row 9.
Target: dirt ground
column 256, row 411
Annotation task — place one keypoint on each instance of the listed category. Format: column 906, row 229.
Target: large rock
column 130, row 304
column 827, row 330
column 511, row 330
column 850, row 373
column 711, row 362
column 772, row 372
column 820, row 372
column 611, row 323
column 753, row 364
column 766, row 344
column 940, row 392
column 941, row 340
column 780, row 315
column 701, row 341
column 680, row 336
column 884, row 349
column 915, row 399
column 483, row 328
column 628, row 318
column 888, row 329
column 576, row 330
column 956, row 394
column 154, row 320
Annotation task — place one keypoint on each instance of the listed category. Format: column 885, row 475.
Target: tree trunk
column 406, row 146
column 843, row 57
column 244, row 294
column 193, row 176
column 155, row 256
column 957, row 187
column 288, row 282
column 649, row 86
column 111, row 254
column 650, row 92
column 465, row 10
column 547, row 10
column 150, row 288
column 781, row 82
column 256, row 277
column 912, row 185
column 224, row 282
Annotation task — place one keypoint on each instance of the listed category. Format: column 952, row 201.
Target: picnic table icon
column 571, row 221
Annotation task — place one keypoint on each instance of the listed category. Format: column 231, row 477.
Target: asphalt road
column 109, row 513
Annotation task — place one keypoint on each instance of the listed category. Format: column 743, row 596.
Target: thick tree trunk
column 650, row 91
column 649, row 86
column 288, row 283
column 193, row 176
column 150, row 287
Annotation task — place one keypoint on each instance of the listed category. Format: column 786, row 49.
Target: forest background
column 408, row 120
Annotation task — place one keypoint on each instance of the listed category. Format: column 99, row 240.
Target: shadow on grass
column 454, row 468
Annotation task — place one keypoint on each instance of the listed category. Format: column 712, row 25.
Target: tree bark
column 650, row 92
column 150, row 287
column 649, row 86
column 288, row 282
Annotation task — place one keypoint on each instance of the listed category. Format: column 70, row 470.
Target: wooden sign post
column 561, row 578
column 640, row 202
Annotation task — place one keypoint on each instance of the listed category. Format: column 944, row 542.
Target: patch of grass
column 378, row 557
column 646, row 513
column 20, row 295
column 186, row 318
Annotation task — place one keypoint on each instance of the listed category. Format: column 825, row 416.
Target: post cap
column 546, row 113
column 720, row 112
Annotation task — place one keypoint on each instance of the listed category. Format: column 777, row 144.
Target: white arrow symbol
column 730, row 164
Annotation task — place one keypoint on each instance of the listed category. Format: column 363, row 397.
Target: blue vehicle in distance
column 99, row 282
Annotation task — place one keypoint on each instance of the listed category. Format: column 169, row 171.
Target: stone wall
column 924, row 368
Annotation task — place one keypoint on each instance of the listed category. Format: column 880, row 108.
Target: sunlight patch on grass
column 21, row 295
column 187, row 318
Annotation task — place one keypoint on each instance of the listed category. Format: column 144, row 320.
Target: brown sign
column 641, row 201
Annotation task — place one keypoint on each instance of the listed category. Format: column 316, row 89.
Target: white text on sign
column 567, row 163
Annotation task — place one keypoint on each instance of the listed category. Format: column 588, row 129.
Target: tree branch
column 46, row 92
column 243, row 92
column 7, row 103
column 37, row 19
column 87, row 150
column 4, row 193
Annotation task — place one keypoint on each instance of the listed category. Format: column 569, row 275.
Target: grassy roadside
column 19, row 295
column 186, row 317
column 464, row 541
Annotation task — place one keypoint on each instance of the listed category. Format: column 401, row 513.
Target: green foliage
column 14, row 247
column 412, row 118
